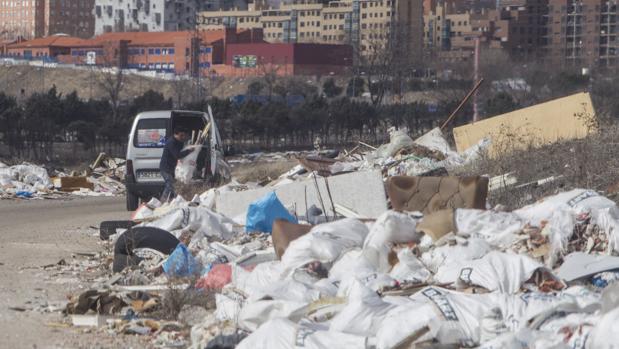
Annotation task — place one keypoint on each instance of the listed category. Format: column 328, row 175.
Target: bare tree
column 269, row 72
column 111, row 82
column 385, row 58
column 182, row 89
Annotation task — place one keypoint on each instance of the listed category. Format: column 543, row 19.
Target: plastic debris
column 262, row 213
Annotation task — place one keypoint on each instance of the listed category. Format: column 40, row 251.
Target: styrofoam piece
column 95, row 320
column 578, row 265
column 362, row 192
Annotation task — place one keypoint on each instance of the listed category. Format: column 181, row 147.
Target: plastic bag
column 229, row 305
column 390, row 228
column 324, row 243
column 282, row 333
column 181, row 263
column 201, row 220
column 255, row 314
column 219, row 276
column 363, row 314
column 443, row 255
column 398, row 140
column 496, row 271
column 186, row 166
column 409, row 268
column 577, row 201
column 262, row 213
column 258, row 280
column 434, row 140
column 497, row 228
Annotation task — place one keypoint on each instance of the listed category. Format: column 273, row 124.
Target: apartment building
column 360, row 23
column 451, row 34
column 28, row 19
column 527, row 29
column 153, row 15
column 583, row 33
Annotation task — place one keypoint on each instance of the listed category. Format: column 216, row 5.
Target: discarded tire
column 107, row 228
column 141, row 237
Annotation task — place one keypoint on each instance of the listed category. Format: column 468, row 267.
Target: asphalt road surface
column 42, row 232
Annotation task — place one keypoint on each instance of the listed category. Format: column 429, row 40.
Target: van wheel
column 133, row 201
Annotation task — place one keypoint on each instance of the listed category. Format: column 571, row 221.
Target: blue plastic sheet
column 181, row 263
column 24, row 194
column 262, row 213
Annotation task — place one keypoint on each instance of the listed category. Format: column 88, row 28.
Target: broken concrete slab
column 579, row 265
column 362, row 192
column 563, row 118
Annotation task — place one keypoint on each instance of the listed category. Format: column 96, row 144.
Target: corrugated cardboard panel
column 563, row 118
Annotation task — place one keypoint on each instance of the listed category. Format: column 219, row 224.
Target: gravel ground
column 43, row 232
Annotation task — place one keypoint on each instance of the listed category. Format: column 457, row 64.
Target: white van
column 145, row 147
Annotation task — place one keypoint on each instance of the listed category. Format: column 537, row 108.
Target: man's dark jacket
column 172, row 152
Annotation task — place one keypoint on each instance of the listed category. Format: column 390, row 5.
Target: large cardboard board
column 362, row 192
column 560, row 119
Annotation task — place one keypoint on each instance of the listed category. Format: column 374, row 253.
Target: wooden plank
column 560, row 119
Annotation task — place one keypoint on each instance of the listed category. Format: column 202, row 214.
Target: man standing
column 172, row 152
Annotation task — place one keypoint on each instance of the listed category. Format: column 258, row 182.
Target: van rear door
column 148, row 142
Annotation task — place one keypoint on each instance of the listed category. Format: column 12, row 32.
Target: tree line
column 32, row 127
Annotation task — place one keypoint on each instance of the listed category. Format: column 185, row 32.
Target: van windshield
column 150, row 133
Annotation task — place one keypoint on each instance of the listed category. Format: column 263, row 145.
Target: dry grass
column 173, row 300
column 262, row 171
column 590, row 163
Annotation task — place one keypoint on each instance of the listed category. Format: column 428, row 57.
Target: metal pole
column 476, row 78
column 462, row 103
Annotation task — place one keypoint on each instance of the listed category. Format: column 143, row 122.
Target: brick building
column 213, row 52
column 30, row 19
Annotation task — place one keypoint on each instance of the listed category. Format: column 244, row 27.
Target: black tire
column 141, row 237
column 133, row 201
column 107, row 228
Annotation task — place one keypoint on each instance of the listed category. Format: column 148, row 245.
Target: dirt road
column 38, row 233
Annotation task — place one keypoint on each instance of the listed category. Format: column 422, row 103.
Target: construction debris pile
column 27, row 181
column 370, row 248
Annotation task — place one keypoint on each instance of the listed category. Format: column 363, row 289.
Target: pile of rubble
column 26, row 181
column 370, row 248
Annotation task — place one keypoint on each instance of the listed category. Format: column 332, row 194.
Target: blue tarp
column 262, row 213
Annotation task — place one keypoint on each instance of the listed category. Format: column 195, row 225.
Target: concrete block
column 362, row 192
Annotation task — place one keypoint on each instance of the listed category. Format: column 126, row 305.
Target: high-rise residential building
column 361, row 23
column 527, row 29
column 450, row 34
column 22, row 18
column 153, row 15
column 74, row 18
column 29, row 19
column 583, row 33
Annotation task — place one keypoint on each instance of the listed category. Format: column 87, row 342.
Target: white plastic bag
column 363, row 313
column 255, row 314
column 474, row 249
column 434, row 140
column 201, row 220
column 496, row 271
column 497, row 228
column 409, row 268
column 282, row 333
column 324, row 243
column 187, row 166
column 390, row 228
